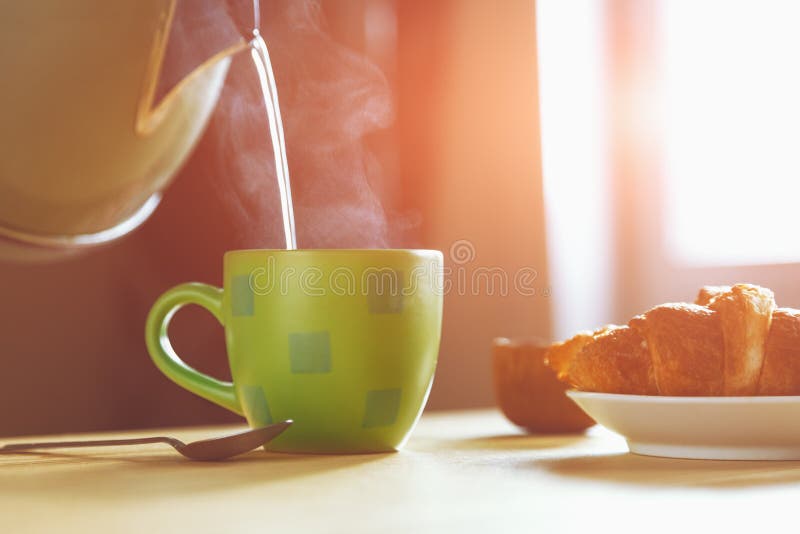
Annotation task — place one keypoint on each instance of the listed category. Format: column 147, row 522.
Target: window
column 731, row 97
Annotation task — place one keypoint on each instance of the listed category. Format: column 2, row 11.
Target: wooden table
column 460, row 472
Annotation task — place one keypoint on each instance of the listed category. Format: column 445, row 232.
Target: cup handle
column 164, row 356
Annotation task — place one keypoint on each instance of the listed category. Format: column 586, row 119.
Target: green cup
column 343, row 342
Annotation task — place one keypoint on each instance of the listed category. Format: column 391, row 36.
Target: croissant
column 732, row 341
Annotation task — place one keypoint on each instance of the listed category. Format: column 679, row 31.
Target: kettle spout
column 191, row 47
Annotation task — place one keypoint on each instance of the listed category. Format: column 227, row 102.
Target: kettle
column 87, row 143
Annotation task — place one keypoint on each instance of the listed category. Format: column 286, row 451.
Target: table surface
column 461, row 471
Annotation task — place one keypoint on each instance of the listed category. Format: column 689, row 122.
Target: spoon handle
column 19, row 447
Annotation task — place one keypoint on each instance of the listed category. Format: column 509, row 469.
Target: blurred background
column 623, row 153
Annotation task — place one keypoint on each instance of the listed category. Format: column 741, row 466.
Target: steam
column 331, row 99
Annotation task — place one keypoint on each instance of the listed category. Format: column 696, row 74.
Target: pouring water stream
column 260, row 55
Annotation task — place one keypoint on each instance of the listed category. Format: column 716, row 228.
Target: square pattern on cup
column 255, row 406
column 381, row 407
column 310, row 352
column 384, row 291
column 241, row 296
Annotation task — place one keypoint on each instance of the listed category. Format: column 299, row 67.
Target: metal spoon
column 212, row 449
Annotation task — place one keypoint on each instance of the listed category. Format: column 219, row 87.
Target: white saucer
column 713, row 428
